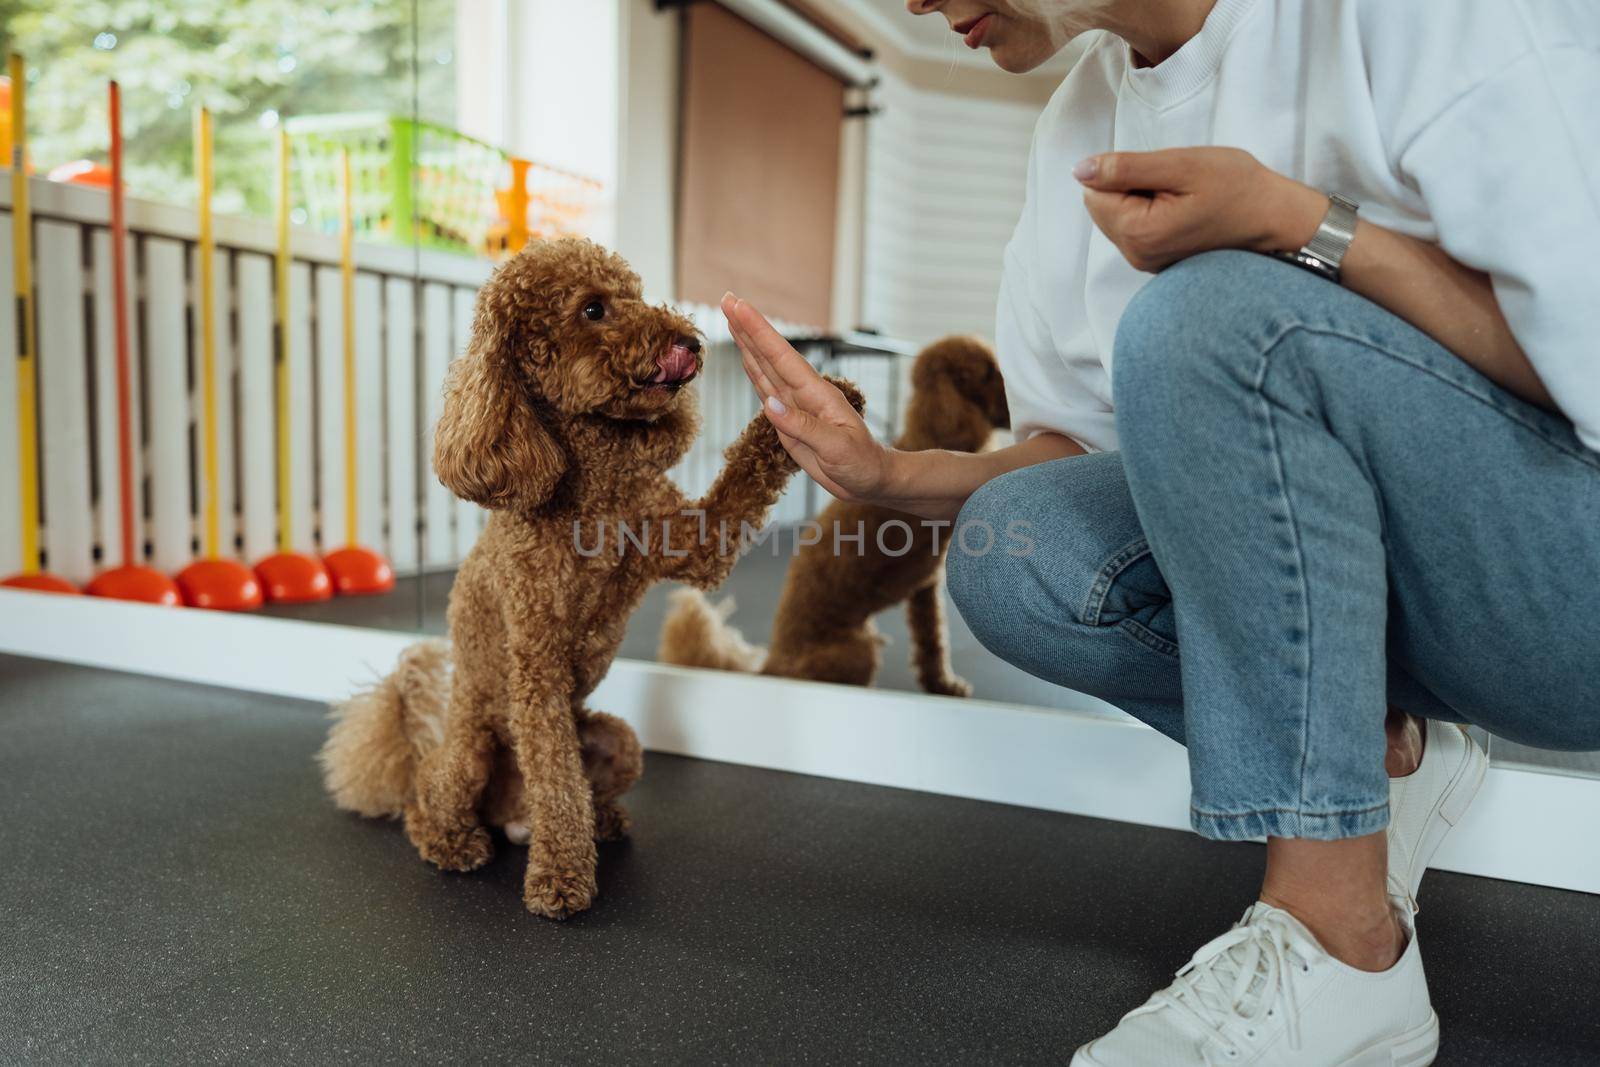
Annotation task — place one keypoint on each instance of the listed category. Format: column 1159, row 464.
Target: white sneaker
column 1266, row 993
column 1425, row 804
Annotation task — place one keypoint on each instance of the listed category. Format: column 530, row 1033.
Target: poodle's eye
column 594, row 311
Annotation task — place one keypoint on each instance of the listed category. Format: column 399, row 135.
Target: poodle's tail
column 696, row 634
column 380, row 734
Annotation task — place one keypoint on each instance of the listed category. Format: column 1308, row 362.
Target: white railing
column 413, row 312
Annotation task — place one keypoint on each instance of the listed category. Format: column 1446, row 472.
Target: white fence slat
column 469, row 516
column 302, row 428
column 108, row 502
column 402, row 431
column 136, row 418
column 10, row 484
column 167, row 401
column 258, row 439
column 330, row 409
column 64, row 402
column 370, row 471
column 439, row 548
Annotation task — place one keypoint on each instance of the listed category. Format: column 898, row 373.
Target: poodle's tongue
column 676, row 366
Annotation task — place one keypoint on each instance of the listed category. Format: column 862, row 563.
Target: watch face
column 1305, row 261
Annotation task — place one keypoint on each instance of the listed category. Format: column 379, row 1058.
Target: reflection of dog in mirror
column 823, row 629
column 563, row 417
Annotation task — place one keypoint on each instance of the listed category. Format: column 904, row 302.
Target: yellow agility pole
column 356, row 570
column 280, row 270
column 211, row 581
column 287, row 576
column 347, row 292
column 206, row 267
column 30, row 577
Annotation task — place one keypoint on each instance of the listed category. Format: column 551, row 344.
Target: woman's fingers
column 794, row 422
column 1139, row 171
column 758, row 379
column 746, row 343
column 776, row 357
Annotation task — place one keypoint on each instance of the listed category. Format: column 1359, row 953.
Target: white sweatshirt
column 1474, row 124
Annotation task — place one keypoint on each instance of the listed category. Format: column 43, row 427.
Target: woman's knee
column 1048, row 604
column 984, row 585
column 1183, row 321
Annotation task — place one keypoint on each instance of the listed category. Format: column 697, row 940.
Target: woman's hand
column 813, row 419
column 1162, row 207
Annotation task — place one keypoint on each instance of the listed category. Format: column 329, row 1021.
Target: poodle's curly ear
column 490, row 446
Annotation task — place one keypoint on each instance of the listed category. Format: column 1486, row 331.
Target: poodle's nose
column 689, row 342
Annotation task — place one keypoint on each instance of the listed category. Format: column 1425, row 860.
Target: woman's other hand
column 815, row 422
column 1162, row 207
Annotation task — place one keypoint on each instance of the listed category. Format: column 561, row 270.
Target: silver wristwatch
column 1325, row 254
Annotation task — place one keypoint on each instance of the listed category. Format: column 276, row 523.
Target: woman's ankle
column 1408, row 737
column 1372, row 940
column 1338, row 890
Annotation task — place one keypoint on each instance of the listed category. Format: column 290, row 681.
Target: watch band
column 1332, row 241
column 1336, row 233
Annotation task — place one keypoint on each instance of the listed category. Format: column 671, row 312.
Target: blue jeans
column 1317, row 512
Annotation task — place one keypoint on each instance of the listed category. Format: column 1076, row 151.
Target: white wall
column 945, row 180
column 541, row 79
column 647, row 154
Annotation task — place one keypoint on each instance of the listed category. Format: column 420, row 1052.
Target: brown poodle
column 562, row 416
column 823, row 629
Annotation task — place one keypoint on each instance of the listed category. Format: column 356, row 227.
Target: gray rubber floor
column 175, row 888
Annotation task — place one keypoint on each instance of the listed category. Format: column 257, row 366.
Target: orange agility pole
column 31, row 576
column 356, row 570
column 211, row 582
column 132, row 580
column 287, row 576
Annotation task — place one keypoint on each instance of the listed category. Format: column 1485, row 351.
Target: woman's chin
column 1018, row 60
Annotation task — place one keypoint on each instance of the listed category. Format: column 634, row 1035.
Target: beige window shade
column 759, row 182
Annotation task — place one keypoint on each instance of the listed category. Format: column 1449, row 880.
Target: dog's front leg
column 441, row 818
column 707, row 538
column 558, row 799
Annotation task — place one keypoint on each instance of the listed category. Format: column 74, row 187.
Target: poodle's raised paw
column 449, row 849
column 611, row 822
column 851, row 393
column 557, row 894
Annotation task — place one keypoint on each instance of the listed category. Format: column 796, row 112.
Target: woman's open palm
column 815, row 423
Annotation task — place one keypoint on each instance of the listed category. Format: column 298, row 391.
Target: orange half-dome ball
column 359, row 571
column 135, row 582
column 220, row 585
column 40, row 583
column 293, row 578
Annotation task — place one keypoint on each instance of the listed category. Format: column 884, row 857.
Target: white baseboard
column 1521, row 827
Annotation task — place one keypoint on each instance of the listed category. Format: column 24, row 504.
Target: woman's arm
column 833, row 445
column 1162, row 207
column 935, row 484
column 1453, row 304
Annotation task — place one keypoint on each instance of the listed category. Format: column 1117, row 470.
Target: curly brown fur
column 556, row 419
column 823, row 629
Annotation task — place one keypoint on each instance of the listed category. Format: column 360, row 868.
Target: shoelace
column 1233, row 981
